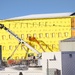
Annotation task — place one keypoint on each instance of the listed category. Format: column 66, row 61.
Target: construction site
column 38, row 44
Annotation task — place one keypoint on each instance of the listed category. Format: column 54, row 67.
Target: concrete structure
column 48, row 29
column 67, row 44
column 59, row 63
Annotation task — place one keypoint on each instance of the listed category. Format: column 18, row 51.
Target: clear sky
column 16, row 8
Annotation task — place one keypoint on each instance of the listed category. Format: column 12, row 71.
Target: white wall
column 51, row 63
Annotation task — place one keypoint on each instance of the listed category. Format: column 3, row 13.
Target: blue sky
column 15, row 8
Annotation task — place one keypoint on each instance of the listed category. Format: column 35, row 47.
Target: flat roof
column 51, row 15
column 68, row 40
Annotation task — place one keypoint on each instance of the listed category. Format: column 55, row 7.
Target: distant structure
column 48, row 29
